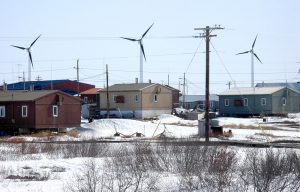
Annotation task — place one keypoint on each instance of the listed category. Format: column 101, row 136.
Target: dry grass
column 240, row 126
column 73, row 133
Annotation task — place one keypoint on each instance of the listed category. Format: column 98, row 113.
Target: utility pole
column 183, row 96
column 229, row 84
column 38, row 78
column 207, row 35
column 23, row 80
column 107, row 96
column 77, row 69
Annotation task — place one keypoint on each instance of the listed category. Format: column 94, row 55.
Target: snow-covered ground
column 274, row 128
column 59, row 170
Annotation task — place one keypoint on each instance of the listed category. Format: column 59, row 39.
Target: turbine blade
column 23, row 48
column 242, row 53
column 257, row 57
column 35, row 41
column 30, row 57
column 129, row 39
column 147, row 31
column 254, row 42
column 142, row 47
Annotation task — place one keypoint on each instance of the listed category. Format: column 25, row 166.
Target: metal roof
column 251, row 91
column 194, row 98
column 293, row 86
column 130, row 87
column 24, row 95
column 91, row 91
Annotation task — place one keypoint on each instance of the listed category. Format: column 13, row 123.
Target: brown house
column 32, row 110
column 143, row 100
column 90, row 95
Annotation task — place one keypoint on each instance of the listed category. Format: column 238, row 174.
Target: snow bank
column 127, row 127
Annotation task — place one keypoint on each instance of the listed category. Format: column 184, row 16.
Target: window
column 226, row 102
column 114, row 99
column 85, row 99
column 55, row 111
column 263, row 101
column 283, row 101
column 155, row 98
column 245, row 102
column 136, row 98
column 24, row 110
column 2, row 111
column 238, row 103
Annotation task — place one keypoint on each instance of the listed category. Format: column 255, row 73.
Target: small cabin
column 23, row 111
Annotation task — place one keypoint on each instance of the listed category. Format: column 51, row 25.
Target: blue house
column 259, row 101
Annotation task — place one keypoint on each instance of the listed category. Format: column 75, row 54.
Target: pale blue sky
column 89, row 30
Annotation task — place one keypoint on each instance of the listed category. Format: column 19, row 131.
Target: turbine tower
column 142, row 52
column 252, row 60
column 28, row 49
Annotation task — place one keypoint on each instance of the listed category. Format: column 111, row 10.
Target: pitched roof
column 194, row 98
column 24, row 95
column 251, row 91
column 91, row 91
column 130, row 86
column 293, row 86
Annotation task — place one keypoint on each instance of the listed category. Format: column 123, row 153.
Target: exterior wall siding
column 273, row 105
column 145, row 101
column 39, row 114
column 254, row 105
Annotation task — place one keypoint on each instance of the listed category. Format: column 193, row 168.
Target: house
column 33, row 110
column 175, row 96
column 142, row 100
column 259, row 101
column 64, row 85
column 90, row 96
column 198, row 102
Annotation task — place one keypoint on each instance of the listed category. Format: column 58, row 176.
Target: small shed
column 35, row 110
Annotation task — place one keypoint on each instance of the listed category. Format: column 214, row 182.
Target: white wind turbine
column 142, row 52
column 28, row 49
column 252, row 60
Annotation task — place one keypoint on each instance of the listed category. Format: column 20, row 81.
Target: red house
column 34, row 110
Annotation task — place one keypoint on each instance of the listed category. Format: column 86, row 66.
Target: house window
column 283, row 101
column 55, row 111
column 136, row 98
column 2, row 111
column 245, row 102
column 114, row 99
column 155, row 98
column 238, row 103
column 263, row 101
column 85, row 99
column 24, row 110
column 226, row 102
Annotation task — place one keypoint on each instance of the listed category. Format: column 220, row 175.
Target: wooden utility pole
column 207, row 34
column 107, row 95
column 183, row 95
column 229, row 84
column 77, row 69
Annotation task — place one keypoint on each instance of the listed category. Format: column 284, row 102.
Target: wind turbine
column 252, row 60
column 142, row 52
column 28, row 49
